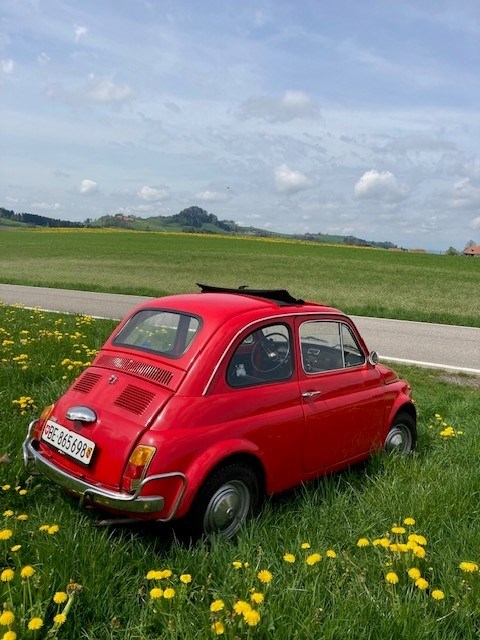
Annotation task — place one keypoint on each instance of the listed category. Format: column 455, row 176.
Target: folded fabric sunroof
column 280, row 296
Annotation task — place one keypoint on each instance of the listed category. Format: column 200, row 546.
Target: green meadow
column 389, row 549
column 372, row 282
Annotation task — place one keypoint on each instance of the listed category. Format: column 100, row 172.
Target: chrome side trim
column 36, row 464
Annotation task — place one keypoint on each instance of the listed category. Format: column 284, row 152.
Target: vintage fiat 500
column 200, row 404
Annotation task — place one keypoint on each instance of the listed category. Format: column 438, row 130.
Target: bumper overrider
column 36, row 464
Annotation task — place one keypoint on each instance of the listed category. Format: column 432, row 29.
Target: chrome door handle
column 310, row 394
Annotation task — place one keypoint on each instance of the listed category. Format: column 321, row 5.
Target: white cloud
column 290, row 181
column 11, row 200
column 46, row 206
column 105, row 91
column 293, row 104
column 379, row 185
column 7, row 65
column 153, row 194
column 476, row 223
column 210, row 196
column 465, row 195
column 80, row 32
column 88, row 186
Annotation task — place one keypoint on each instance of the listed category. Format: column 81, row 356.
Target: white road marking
column 434, row 365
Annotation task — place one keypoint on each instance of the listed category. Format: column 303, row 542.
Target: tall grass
column 371, row 282
column 270, row 582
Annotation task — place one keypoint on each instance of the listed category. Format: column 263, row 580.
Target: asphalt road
column 433, row 345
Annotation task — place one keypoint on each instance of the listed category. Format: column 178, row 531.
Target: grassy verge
column 371, row 282
column 321, row 561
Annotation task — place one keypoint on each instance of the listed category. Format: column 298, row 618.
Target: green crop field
column 373, row 282
column 390, row 549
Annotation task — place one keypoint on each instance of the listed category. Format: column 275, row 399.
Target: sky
column 343, row 117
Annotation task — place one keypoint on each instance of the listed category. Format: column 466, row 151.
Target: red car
column 200, row 404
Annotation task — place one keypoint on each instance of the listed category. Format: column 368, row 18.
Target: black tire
column 224, row 502
column 402, row 435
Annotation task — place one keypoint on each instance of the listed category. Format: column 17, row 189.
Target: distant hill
column 190, row 220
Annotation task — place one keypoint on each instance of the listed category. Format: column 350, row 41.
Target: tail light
column 137, row 467
column 44, row 416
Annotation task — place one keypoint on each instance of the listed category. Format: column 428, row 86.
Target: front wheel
column 402, row 436
column 225, row 501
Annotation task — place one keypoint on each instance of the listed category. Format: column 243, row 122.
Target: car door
column 342, row 394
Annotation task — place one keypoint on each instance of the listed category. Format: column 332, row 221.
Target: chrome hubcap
column 399, row 440
column 227, row 509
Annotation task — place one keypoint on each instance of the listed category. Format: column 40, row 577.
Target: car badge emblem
column 112, row 379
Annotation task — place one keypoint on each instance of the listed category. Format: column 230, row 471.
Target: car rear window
column 166, row 333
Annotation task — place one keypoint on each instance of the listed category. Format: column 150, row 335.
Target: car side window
column 265, row 355
column 327, row 346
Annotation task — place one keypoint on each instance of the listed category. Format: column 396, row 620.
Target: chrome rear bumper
column 36, row 464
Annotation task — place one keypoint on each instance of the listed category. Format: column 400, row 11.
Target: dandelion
column 16, row 547
column 7, row 618
column 468, row 567
column 237, row 564
column 60, row 597
column 418, row 552
column 6, row 534
column 53, row 529
column 6, row 575
column 166, row 573
column 363, row 542
column 169, row 593
column 185, row 578
column 59, row 619
column 8, row 513
column 305, row 545
column 22, row 517
column 409, row 522
column 151, row 575
column 217, row 605
column 241, row 607
column 44, row 527
column 156, row 593
column 397, row 529
column 6, row 487
column 27, row 571
column 330, row 553
column 391, row 577
column 313, row 558
column 252, row 618
column 218, row 628
column 22, row 492
column 257, row 597
column 437, row 594
column 9, row 635
column 264, row 576
column 35, row 624
column 421, row 583
column 414, row 573
column 289, row 557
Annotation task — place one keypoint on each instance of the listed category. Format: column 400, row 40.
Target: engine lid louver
column 86, row 382
column 157, row 374
column 134, row 399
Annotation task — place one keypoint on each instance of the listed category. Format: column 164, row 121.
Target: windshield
column 164, row 332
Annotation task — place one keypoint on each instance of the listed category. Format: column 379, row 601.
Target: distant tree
column 451, row 251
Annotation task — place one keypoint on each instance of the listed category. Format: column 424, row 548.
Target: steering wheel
column 270, row 352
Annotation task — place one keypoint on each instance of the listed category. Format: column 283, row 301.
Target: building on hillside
column 473, row 251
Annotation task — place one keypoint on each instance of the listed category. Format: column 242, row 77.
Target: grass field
column 319, row 562
column 409, row 286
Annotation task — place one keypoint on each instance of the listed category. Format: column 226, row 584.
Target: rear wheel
column 402, row 436
column 225, row 501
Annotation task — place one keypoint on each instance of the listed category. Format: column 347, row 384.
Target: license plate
column 69, row 442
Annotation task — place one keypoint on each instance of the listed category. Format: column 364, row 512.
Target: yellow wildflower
column 7, row 618
column 414, row 573
column 305, row 545
column 9, row 635
column 8, row 513
column 22, row 517
column 27, row 571
column 363, row 542
column 169, row 593
column 60, row 597
column 6, row 575
column 217, row 605
column 6, row 534
column 59, row 618
column 35, row 624
column 151, row 575
column 391, row 577
column 421, row 583
column 16, row 547
column 468, row 567
column 53, row 529
column 397, row 529
column 313, row 558
column 156, row 593
column 264, row 576
column 409, row 521
column 185, row 578
column 437, row 594
column 289, row 557
column 418, row 552
column 252, row 617
column 257, row 597
column 330, row 553
column 218, row 628
column 240, row 607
